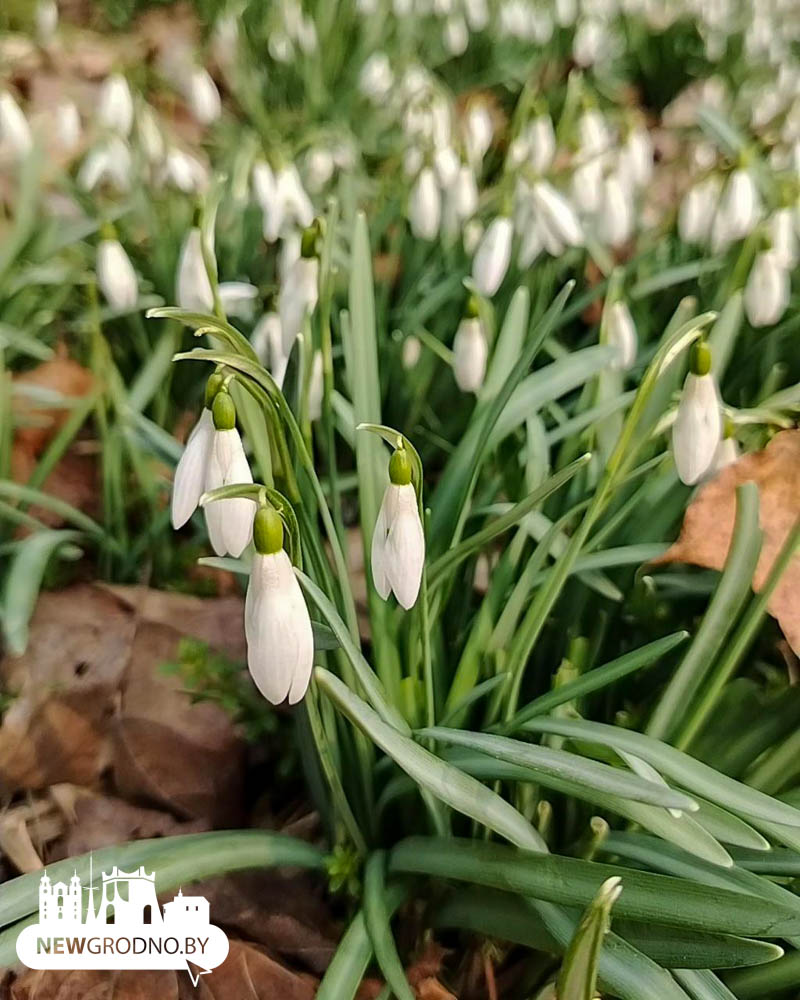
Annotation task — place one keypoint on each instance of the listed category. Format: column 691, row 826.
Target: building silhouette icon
column 127, row 900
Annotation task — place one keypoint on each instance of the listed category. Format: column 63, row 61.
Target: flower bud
column 470, row 352
column 766, row 294
column 116, row 276
column 115, row 107
column 621, row 334
column 425, row 206
column 398, row 542
column 738, row 212
column 193, row 289
column 493, row 256
column 697, row 430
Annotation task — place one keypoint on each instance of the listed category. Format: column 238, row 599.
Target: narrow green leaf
column 24, row 581
column 657, row 899
column 351, row 959
column 377, row 919
column 542, row 761
column 578, row 975
column 442, row 780
column 680, row 767
column 595, row 680
column 496, row 914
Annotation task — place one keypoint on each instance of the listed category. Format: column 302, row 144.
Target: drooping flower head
column 190, row 474
column 229, row 521
column 398, row 542
column 697, row 430
column 280, row 641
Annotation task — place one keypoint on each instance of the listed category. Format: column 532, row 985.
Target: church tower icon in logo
column 124, row 928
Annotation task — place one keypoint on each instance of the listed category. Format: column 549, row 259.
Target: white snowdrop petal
column 116, row 276
column 621, row 332
column 493, row 256
column 190, row 473
column 698, row 428
column 297, row 298
column 425, row 206
column 380, row 577
column 470, row 351
column 768, row 288
column 405, row 548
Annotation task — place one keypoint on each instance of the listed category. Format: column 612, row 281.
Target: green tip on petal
column 701, row 358
column 310, row 240
column 473, row 307
column 267, row 531
column 224, row 412
column 107, row 231
column 400, row 468
column 729, row 429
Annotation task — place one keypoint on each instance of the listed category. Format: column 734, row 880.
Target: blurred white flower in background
column 115, row 105
column 15, row 133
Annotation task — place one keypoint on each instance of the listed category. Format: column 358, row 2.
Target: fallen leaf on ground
column 38, row 422
column 708, row 523
column 88, row 696
column 103, row 820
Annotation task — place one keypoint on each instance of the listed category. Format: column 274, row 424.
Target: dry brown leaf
column 708, row 523
column 133, row 984
column 38, row 423
column 102, row 821
column 89, row 695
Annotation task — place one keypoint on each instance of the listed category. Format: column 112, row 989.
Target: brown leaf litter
column 708, row 523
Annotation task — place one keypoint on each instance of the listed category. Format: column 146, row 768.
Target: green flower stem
column 618, row 466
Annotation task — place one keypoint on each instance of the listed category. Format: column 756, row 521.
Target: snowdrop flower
column 277, row 626
column 594, row 137
column 738, row 212
column 556, row 215
column 267, row 341
column 783, row 236
column 376, row 78
column 636, row 158
column 297, row 205
column 238, row 298
column 470, row 352
column 766, row 294
column 536, row 145
column 315, row 388
column 455, row 35
column 479, row 133
column 151, row 141
column 46, row 21
column 202, row 96
column 68, row 126
column 531, row 245
column 616, row 219
column 115, row 107
column 425, row 206
column 185, row 172
column 229, row 522
column 493, row 256
column 477, row 12
column 412, row 350
column 589, row 42
column 15, row 133
column 697, row 210
column 447, row 165
column 318, row 167
column 697, row 430
column 299, row 292
column 115, row 274
column 461, row 200
column 109, row 163
column 472, row 235
column 398, row 542
column 620, row 333
column 192, row 287
column 190, row 474
column 587, row 187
